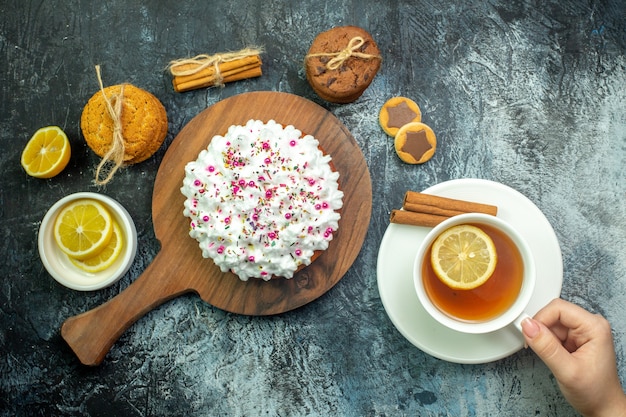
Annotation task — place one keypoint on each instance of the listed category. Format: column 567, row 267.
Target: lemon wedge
column 47, row 153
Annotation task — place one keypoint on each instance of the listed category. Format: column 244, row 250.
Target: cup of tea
column 500, row 301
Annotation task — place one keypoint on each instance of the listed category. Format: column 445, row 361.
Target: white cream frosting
column 261, row 200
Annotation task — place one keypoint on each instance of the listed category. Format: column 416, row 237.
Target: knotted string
column 115, row 154
column 202, row 61
column 342, row 56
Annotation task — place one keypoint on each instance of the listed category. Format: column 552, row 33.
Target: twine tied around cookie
column 182, row 67
column 342, row 56
column 115, row 154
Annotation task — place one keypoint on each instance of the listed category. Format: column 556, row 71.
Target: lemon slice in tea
column 463, row 257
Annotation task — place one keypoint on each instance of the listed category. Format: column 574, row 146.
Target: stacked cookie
column 142, row 117
column 341, row 63
column 414, row 141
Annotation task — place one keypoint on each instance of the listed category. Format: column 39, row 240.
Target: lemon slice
column 83, row 229
column 463, row 257
column 106, row 256
column 47, row 153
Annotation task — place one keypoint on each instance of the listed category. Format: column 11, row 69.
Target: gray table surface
column 528, row 94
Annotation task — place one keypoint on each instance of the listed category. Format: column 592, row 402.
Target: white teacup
column 515, row 313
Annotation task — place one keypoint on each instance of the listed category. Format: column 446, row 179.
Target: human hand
column 578, row 348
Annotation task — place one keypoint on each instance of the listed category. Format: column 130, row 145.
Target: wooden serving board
column 179, row 266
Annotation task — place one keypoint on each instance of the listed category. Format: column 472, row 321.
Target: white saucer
column 395, row 275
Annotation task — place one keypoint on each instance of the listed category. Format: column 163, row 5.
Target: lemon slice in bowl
column 47, row 153
column 58, row 264
column 106, row 256
column 463, row 257
column 83, row 229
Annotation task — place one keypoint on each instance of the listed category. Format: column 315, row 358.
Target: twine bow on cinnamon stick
column 215, row 70
column 351, row 50
column 115, row 154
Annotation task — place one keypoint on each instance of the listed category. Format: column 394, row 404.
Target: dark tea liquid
column 489, row 300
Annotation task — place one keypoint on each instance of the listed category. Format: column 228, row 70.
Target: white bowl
column 57, row 262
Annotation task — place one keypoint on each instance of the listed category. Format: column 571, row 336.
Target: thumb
column 545, row 344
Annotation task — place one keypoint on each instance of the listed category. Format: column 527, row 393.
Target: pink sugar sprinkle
column 267, row 160
column 318, row 206
column 220, row 250
column 268, row 193
column 271, row 235
column 325, row 205
column 205, row 218
column 251, row 258
column 251, row 184
column 287, row 216
column 255, row 217
column 235, row 189
column 211, row 168
column 242, row 182
column 298, row 252
column 197, row 183
column 292, row 142
column 263, row 273
column 311, row 181
column 266, row 145
column 227, row 220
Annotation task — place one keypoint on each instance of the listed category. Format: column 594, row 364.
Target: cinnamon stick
column 428, row 200
column 223, row 67
column 211, row 80
column 415, row 219
column 429, row 210
column 424, row 208
column 215, row 70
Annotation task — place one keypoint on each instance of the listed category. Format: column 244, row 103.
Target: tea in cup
column 492, row 305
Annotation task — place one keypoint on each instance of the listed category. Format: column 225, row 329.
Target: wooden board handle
column 92, row 333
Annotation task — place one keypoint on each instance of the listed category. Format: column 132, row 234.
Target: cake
column 143, row 121
column 341, row 63
column 263, row 200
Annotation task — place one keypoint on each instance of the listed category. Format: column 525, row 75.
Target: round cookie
column 143, row 119
column 397, row 112
column 415, row 143
column 346, row 82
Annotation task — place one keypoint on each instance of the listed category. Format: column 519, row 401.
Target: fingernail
column 530, row 328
